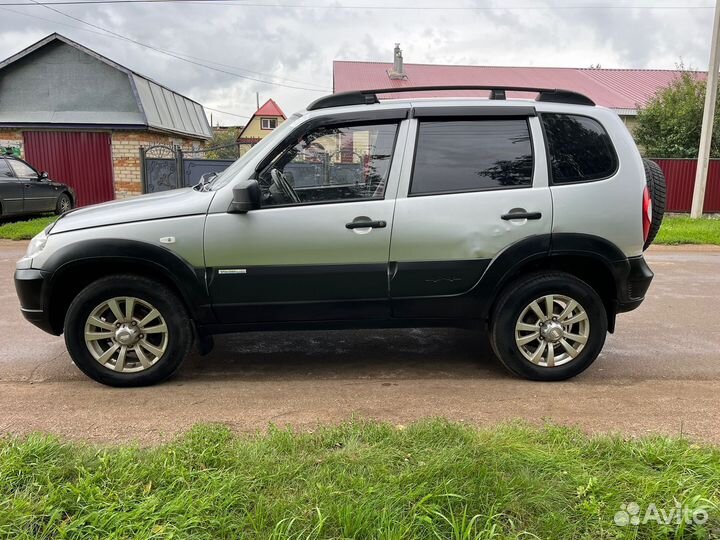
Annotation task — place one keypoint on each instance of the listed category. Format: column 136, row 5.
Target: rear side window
column 5, row 171
column 472, row 155
column 580, row 148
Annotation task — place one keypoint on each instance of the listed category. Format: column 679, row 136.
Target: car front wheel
column 548, row 327
column 127, row 331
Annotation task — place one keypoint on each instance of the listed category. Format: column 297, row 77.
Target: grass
column 24, row 229
column 432, row 480
column 685, row 230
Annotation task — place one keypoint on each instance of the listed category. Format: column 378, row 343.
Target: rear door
column 454, row 214
column 11, row 190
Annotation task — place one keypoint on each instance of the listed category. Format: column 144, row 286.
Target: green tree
column 223, row 144
column 669, row 125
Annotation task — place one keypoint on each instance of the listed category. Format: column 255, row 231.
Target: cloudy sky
column 292, row 43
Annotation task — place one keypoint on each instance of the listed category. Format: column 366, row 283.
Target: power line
column 109, row 36
column 358, row 6
column 103, row 34
column 225, row 112
column 173, row 54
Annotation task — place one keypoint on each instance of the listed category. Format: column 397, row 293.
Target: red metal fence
column 80, row 159
column 680, row 176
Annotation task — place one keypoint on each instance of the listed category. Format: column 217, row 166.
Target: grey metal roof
column 157, row 107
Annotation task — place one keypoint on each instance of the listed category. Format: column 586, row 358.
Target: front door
column 455, row 205
column 11, row 190
column 318, row 247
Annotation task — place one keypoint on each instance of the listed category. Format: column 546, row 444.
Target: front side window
column 5, row 171
column 472, row 155
column 268, row 123
column 580, row 149
column 22, row 170
column 331, row 164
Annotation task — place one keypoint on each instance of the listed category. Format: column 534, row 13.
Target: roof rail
column 368, row 97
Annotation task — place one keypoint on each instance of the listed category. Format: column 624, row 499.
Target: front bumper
column 632, row 279
column 30, row 284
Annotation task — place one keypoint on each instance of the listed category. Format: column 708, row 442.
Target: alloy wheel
column 126, row 334
column 552, row 330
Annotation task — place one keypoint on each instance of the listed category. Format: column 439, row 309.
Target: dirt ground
column 659, row 373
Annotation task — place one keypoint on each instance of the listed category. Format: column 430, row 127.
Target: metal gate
column 80, row 159
column 169, row 167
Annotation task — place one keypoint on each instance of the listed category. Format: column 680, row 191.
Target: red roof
column 614, row 88
column 270, row 109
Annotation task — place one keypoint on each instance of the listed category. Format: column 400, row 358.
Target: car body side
column 35, row 195
column 452, row 269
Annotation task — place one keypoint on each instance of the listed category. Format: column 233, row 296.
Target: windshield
column 225, row 177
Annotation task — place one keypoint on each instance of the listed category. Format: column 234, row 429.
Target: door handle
column 366, row 224
column 521, row 215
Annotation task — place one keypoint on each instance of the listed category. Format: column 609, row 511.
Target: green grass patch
column 685, row 230
column 433, row 480
column 24, row 229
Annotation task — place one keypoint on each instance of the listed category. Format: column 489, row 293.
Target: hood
column 166, row 204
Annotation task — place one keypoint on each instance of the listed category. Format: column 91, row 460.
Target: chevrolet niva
column 524, row 218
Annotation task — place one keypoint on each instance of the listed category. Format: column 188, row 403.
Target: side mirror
column 43, row 175
column 246, row 197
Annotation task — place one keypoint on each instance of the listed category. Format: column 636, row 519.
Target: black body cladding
column 447, row 293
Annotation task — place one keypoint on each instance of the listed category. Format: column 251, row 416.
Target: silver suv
column 527, row 218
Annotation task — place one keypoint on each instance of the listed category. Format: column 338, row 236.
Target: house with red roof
column 262, row 122
column 623, row 90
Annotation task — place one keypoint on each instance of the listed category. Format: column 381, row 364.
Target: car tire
column 515, row 322
column 63, row 204
column 116, row 313
column 657, row 188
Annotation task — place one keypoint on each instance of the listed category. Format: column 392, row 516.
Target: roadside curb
column 4, row 242
column 705, row 248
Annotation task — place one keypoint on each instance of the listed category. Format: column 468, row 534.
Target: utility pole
column 708, row 117
column 257, row 96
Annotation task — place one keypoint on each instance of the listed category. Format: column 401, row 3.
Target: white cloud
column 300, row 44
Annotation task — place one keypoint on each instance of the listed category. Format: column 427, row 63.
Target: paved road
column 659, row 373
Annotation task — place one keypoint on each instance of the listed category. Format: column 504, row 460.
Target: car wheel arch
column 587, row 257
column 72, row 268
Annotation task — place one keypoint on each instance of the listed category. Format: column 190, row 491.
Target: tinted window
column 333, row 163
column 580, row 148
column 5, row 169
column 22, row 170
column 472, row 155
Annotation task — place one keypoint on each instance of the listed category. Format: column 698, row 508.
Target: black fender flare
column 546, row 248
column 81, row 256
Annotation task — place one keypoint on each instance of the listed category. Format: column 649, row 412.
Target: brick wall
column 126, row 157
column 11, row 137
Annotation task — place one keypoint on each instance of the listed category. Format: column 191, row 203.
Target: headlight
column 38, row 243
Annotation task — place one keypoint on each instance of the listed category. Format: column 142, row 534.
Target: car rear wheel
column 64, row 204
column 127, row 331
column 548, row 327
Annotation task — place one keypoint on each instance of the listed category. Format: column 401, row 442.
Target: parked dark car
column 24, row 190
